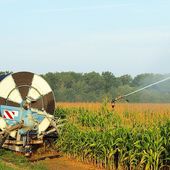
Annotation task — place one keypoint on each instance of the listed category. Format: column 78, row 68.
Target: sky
column 120, row 36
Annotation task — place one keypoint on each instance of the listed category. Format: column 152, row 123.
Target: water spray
column 136, row 91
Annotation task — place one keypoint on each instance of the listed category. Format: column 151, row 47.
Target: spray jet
column 136, row 91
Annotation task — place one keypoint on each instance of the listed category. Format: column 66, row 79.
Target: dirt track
column 64, row 163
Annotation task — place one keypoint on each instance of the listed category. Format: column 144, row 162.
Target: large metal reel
column 17, row 87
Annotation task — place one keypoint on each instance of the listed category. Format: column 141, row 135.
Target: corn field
column 132, row 136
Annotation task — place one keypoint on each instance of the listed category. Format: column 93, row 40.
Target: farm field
column 130, row 136
column 97, row 137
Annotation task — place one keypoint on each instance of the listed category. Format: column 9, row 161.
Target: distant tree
column 126, row 79
column 145, row 79
column 5, row 72
column 71, row 86
column 109, row 81
column 94, row 81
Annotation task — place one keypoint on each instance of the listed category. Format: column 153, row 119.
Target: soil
column 64, row 163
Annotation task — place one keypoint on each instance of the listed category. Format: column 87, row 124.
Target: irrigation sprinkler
column 136, row 91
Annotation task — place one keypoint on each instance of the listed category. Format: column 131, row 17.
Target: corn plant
column 114, row 141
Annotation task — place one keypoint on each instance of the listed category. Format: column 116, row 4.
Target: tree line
column 95, row 87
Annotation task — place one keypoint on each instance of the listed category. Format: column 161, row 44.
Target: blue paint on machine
column 14, row 115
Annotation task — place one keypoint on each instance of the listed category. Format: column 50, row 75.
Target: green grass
column 3, row 166
column 18, row 160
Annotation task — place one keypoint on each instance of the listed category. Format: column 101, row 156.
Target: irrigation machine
column 27, row 105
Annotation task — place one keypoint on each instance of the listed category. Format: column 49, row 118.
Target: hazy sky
column 121, row 36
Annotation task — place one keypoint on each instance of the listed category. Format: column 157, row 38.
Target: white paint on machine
column 6, row 86
column 40, row 84
column 33, row 93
